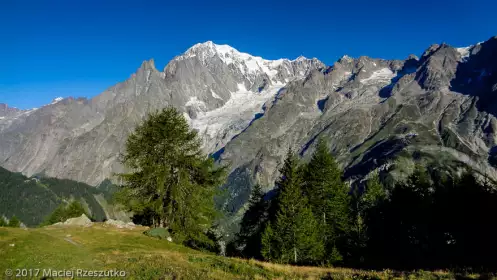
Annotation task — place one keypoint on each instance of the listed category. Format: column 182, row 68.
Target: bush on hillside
column 64, row 212
column 14, row 222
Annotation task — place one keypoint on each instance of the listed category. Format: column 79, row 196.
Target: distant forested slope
column 33, row 199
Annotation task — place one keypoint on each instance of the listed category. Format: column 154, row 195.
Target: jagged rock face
column 377, row 114
column 218, row 88
column 374, row 113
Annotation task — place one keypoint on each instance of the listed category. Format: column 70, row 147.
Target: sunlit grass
column 142, row 257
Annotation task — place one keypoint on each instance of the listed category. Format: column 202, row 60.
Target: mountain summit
column 375, row 114
column 219, row 89
column 276, row 71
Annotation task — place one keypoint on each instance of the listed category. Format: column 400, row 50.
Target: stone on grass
column 120, row 224
column 160, row 233
column 79, row 221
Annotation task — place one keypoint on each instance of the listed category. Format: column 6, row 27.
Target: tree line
column 31, row 200
column 13, row 222
column 60, row 214
column 432, row 220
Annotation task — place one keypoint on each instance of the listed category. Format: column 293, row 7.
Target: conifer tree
column 58, row 215
column 298, row 240
column 74, row 209
column 399, row 232
column 14, row 222
column 169, row 175
column 363, row 203
column 64, row 212
column 3, row 223
column 290, row 175
column 295, row 239
column 373, row 194
column 328, row 196
column 268, row 243
column 252, row 224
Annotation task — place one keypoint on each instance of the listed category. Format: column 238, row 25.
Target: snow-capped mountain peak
column 221, row 110
column 58, row 99
column 247, row 64
column 300, row 58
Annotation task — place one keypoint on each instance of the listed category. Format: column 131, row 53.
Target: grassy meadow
column 106, row 248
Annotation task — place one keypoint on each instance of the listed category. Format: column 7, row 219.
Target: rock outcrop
column 83, row 221
column 120, row 224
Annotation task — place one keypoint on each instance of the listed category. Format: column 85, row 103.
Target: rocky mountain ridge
column 218, row 88
column 376, row 114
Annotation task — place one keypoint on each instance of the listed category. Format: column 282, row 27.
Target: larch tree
column 169, row 176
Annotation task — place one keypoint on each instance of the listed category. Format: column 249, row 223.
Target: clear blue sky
column 81, row 47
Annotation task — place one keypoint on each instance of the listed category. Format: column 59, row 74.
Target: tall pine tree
column 268, row 243
column 252, row 225
column 328, row 198
column 363, row 204
column 294, row 238
column 169, row 175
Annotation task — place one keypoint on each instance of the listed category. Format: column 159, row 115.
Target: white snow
column 235, row 115
column 215, row 95
column 384, row 74
column 1, row 118
column 242, row 88
column 246, row 63
column 148, row 75
column 346, row 58
column 278, row 62
column 464, row 52
column 300, row 58
column 196, row 103
column 56, row 100
column 224, row 49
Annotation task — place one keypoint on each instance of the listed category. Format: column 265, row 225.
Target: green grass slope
column 141, row 257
